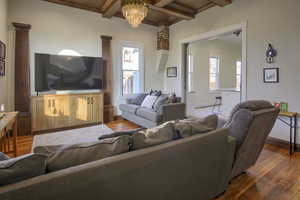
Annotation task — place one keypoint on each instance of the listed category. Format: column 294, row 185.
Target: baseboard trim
column 280, row 143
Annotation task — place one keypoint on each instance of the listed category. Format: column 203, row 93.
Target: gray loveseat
column 147, row 117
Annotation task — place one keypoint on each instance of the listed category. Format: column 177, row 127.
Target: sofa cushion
column 154, row 136
column 192, row 126
column 149, row 114
column 3, row 156
column 130, row 108
column 161, row 100
column 120, row 133
column 21, row 168
column 137, row 99
column 149, row 101
column 66, row 156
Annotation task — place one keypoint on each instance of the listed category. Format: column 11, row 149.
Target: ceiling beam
column 182, row 7
column 221, row 2
column 75, row 5
column 163, row 3
column 172, row 13
column 111, row 8
column 206, row 6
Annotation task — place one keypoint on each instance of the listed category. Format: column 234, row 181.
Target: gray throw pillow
column 120, row 133
column 3, row 156
column 154, row 136
column 161, row 100
column 193, row 126
column 21, row 168
column 71, row 155
column 138, row 99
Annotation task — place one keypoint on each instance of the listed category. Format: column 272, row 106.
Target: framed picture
column 2, row 67
column 172, row 72
column 271, row 75
column 2, row 50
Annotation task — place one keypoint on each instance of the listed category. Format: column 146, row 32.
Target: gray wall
column 3, row 38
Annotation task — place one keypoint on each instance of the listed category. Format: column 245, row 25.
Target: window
column 132, row 79
column 190, row 72
column 214, row 63
column 238, row 75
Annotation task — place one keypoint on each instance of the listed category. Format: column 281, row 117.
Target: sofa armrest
column 172, row 111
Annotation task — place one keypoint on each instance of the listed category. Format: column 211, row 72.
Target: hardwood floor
column 276, row 176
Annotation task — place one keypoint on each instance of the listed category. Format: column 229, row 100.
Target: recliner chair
column 250, row 123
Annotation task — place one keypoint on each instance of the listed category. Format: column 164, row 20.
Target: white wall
column 269, row 21
column 3, row 38
column 56, row 27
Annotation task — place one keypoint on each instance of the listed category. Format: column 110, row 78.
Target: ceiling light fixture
column 134, row 11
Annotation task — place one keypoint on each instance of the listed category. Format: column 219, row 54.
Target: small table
column 292, row 123
column 8, row 122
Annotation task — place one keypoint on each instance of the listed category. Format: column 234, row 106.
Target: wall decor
column 2, row 50
column 271, row 75
column 2, row 67
column 172, row 72
column 271, row 53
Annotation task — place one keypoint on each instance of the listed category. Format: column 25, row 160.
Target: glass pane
column 238, row 82
column 130, row 58
column 131, row 82
column 238, row 67
column 212, row 81
column 213, row 63
column 190, row 64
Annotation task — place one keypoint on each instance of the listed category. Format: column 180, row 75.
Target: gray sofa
column 193, row 168
column 196, row 167
column 147, row 117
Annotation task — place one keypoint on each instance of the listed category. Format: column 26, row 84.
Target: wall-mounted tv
column 56, row 72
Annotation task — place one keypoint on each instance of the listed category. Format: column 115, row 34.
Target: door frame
column 203, row 36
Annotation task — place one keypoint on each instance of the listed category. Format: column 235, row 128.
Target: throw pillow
column 149, row 101
column 154, row 136
column 21, row 168
column 120, row 133
column 3, row 156
column 72, row 155
column 161, row 100
column 138, row 99
column 192, row 126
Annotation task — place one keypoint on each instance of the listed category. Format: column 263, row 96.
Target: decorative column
column 108, row 77
column 22, row 78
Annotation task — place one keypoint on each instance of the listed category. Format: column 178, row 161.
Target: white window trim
column 141, row 65
column 217, row 74
column 190, row 80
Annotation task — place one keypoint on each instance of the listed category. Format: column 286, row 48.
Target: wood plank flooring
column 276, row 176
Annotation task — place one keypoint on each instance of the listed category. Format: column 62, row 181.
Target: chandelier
column 134, row 11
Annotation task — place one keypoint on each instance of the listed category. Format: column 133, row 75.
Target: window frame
column 217, row 73
column 141, row 65
column 190, row 71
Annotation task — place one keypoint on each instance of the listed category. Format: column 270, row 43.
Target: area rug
column 74, row 136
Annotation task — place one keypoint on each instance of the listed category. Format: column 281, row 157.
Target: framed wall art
column 2, row 51
column 172, row 72
column 2, row 67
column 271, row 75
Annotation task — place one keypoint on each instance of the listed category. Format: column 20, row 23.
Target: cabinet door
column 42, row 114
column 79, row 110
column 59, row 116
column 97, row 108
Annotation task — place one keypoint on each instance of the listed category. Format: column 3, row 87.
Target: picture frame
column 2, row 50
column 271, row 75
column 172, row 72
column 2, row 67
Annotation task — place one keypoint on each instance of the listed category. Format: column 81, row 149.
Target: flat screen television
column 56, row 72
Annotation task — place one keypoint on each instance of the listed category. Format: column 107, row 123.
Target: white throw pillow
column 149, row 101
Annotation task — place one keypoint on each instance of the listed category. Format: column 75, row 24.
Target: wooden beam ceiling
column 221, row 2
column 161, row 11
column 172, row 13
column 112, row 8
column 163, row 3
